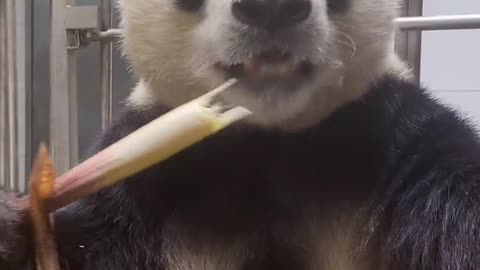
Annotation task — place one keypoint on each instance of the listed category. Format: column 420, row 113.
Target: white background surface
column 451, row 59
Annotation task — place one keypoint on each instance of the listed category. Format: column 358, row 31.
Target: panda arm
column 82, row 224
column 432, row 203
column 16, row 251
column 437, row 230
column 14, row 235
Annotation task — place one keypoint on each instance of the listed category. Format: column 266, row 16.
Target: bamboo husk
column 41, row 189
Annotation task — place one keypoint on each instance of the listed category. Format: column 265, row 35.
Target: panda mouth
column 268, row 65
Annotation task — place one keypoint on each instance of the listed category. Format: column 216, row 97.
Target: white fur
column 326, row 239
column 172, row 53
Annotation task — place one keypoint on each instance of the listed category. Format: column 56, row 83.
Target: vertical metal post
column 73, row 107
column 3, row 96
column 73, row 101
column 27, row 15
column 12, row 95
column 61, row 137
column 414, row 39
column 408, row 43
column 106, row 63
column 21, row 93
column 40, row 76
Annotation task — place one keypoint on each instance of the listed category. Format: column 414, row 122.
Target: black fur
column 338, row 6
column 189, row 5
column 411, row 161
column 15, row 250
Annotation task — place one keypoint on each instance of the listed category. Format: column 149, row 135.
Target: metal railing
column 452, row 22
column 72, row 28
column 433, row 23
column 11, row 96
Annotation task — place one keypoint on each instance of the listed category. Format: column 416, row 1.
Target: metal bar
column 73, row 107
column 407, row 43
column 8, row 95
column 28, row 103
column 60, row 137
column 415, row 23
column 12, row 95
column 40, row 76
column 109, row 34
column 414, row 39
column 72, row 79
column 21, row 94
column 453, row 22
column 3, row 96
column 106, row 64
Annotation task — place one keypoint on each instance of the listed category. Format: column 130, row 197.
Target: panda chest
column 252, row 209
column 275, row 235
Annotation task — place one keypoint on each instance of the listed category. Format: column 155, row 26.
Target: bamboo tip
column 226, row 113
column 43, row 174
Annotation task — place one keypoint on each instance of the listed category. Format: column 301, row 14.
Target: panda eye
column 337, row 6
column 189, row 5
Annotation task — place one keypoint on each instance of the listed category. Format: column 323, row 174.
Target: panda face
column 193, row 5
column 296, row 60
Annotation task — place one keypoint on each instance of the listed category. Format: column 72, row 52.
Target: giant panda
column 345, row 164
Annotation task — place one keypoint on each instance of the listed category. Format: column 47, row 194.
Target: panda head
column 296, row 60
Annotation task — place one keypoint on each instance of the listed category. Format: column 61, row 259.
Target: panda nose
column 271, row 13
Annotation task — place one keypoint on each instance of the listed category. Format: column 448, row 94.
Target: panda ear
column 190, row 5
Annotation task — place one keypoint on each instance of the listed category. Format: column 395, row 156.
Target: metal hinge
column 81, row 24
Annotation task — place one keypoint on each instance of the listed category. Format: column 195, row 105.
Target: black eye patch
column 190, row 5
column 338, row 6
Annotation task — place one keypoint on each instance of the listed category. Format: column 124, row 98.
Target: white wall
column 451, row 59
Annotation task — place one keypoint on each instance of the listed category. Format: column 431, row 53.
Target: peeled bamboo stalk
column 151, row 144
